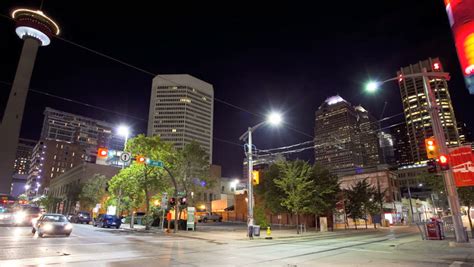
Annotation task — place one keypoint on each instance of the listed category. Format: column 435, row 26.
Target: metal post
column 250, row 191
column 438, row 133
column 120, row 187
column 411, row 206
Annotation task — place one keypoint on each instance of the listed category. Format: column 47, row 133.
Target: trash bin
column 256, row 230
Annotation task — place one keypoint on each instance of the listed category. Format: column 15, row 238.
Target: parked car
column 104, row 220
column 81, row 217
column 25, row 215
column 207, row 216
column 6, row 215
column 52, row 224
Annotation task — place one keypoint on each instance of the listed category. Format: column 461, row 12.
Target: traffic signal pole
column 438, row 133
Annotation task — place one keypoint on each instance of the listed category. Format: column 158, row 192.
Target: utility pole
column 438, row 133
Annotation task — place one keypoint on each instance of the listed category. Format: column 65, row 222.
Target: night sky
column 272, row 57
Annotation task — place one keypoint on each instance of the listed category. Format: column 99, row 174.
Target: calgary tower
column 35, row 29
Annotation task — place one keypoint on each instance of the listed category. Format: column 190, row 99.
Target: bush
column 260, row 218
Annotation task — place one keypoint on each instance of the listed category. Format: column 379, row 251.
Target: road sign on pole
column 125, row 157
column 155, row 163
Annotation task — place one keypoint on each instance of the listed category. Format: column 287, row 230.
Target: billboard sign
column 461, row 19
column 462, row 165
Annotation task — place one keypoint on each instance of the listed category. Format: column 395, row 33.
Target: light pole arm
column 251, row 129
column 443, row 75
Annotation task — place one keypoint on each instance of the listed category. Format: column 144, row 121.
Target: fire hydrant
column 269, row 233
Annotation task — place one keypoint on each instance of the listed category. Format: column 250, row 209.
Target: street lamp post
column 124, row 131
column 273, row 119
column 438, row 134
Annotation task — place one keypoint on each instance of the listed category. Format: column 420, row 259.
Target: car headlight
column 68, row 226
column 47, row 227
column 20, row 217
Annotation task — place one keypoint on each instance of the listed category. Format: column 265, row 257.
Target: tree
column 466, row 196
column 269, row 192
column 295, row 181
column 126, row 186
column 360, row 198
column 436, row 183
column 192, row 170
column 326, row 188
column 144, row 178
column 373, row 206
column 48, row 202
column 93, row 191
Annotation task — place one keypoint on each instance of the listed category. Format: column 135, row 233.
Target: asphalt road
column 88, row 246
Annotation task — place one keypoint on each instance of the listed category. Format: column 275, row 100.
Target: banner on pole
column 462, row 165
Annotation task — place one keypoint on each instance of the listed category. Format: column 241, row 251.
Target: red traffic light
column 436, row 66
column 140, row 159
column 443, row 159
column 102, row 152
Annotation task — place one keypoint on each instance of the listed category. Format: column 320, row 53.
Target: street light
column 372, row 86
column 124, row 131
column 438, row 133
column 273, row 119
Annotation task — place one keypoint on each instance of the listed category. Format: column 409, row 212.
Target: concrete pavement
column 219, row 246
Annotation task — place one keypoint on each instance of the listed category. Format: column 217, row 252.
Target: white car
column 52, row 224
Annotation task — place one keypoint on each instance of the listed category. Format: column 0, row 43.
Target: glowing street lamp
column 372, row 86
column 124, row 131
column 273, row 119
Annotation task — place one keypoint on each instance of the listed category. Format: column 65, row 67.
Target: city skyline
column 255, row 79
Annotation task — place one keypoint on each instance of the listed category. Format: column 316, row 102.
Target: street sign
column 164, row 201
column 181, row 194
column 155, row 163
column 125, row 157
column 462, row 164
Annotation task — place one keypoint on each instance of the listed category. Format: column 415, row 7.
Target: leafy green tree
column 435, row 182
column 326, row 189
column 93, row 191
column 192, row 171
column 359, row 199
column 373, row 206
column 144, row 178
column 125, row 186
column 48, row 202
column 23, row 197
column 269, row 192
column 466, row 196
column 295, row 181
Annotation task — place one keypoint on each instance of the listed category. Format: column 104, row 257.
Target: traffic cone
column 269, row 233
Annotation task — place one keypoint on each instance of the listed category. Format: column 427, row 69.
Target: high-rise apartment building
column 387, row 153
column 345, row 136
column 89, row 133
column 415, row 105
column 182, row 110
column 51, row 158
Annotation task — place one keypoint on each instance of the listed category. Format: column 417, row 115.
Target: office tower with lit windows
column 182, row 110
column 345, row 137
column 401, row 145
column 414, row 100
column 87, row 132
column 23, row 155
column 49, row 159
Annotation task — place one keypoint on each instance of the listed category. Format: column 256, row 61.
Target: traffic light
column 432, row 150
column 172, row 201
column 140, row 159
column 436, row 66
column 182, row 201
column 102, row 152
column 432, row 168
column 255, row 177
column 443, row 162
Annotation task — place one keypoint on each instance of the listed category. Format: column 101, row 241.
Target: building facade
column 89, row 133
column 415, row 105
column 23, row 154
column 68, row 185
column 49, row 159
column 182, row 111
column 345, row 136
column 387, row 153
column 401, row 145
